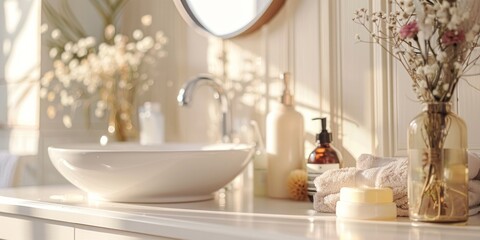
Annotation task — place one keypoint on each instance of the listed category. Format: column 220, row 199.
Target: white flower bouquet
column 432, row 39
column 435, row 41
column 105, row 75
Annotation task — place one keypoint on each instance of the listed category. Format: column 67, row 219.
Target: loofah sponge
column 297, row 185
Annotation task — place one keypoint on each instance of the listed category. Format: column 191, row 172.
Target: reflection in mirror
column 234, row 14
column 228, row 18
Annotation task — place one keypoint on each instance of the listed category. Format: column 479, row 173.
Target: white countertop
column 231, row 215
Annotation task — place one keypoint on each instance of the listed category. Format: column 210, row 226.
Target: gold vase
column 438, row 173
column 121, row 122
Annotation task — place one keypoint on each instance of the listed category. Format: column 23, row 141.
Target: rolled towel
column 474, row 193
column 366, row 161
column 473, row 165
column 374, row 172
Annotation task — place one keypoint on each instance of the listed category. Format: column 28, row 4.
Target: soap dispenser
column 284, row 143
column 324, row 157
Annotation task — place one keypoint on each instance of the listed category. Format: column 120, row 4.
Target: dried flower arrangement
column 434, row 41
column 105, row 75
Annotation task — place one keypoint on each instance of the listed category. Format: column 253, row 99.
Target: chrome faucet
column 185, row 97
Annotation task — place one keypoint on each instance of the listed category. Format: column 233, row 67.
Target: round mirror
column 228, row 18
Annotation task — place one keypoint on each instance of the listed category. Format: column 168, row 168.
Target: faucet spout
column 185, row 97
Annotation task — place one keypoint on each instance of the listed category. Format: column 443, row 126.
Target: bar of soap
column 366, row 195
column 366, row 204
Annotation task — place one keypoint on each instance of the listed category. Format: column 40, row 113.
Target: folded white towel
column 375, row 171
column 8, row 165
column 473, row 166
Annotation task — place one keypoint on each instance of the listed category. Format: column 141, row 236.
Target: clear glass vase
column 121, row 123
column 438, row 173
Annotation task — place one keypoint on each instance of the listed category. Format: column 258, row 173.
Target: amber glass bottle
column 324, row 157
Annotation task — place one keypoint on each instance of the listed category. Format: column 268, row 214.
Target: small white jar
column 152, row 129
column 366, row 204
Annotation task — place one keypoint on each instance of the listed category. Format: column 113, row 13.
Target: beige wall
column 365, row 95
column 367, row 100
column 314, row 41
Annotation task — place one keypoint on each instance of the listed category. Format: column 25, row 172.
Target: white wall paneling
column 314, row 40
column 19, row 70
column 365, row 95
column 168, row 71
column 467, row 105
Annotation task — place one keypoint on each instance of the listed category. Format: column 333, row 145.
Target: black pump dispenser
column 324, row 136
column 323, row 158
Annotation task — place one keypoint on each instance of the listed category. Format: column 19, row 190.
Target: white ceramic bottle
column 152, row 129
column 284, row 143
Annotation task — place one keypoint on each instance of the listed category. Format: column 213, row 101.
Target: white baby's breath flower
column 101, row 104
column 82, row 52
column 66, row 56
column 433, row 40
column 51, row 96
column 137, row 34
column 445, row 5
column 146, row 20
column 422, row 83
column 430, row 70
column 455, row 20
column 476, row 28
column 429, row 19
column 89, row 42
column 145, row 44
column 65, row 80
column 441, row 57
column 43, row 28
column 85, row 69
column 442, row 12
column 47, row 78
column 420, row 70
column 68, row 46
column 120, row 40
column 446, row 86
column 99, row 113
column 67, row 121
column 53, row 53
column 130, row 46
column 160, row 37
column 43, row 93
column 65, row 99
column 55, row 34
column 109, row 32
column 409, row 7
column 73, row 64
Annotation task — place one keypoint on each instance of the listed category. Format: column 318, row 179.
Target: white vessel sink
column 164, row 173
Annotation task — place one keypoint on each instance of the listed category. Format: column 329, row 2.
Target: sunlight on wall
column 20, row 70
column 357, row 124
column 13, row 14
column 243, row 73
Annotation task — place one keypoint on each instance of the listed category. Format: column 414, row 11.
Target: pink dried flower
column 453, row 37
column 409, row 30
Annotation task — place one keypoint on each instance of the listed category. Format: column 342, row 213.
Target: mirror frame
column 261, row 19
